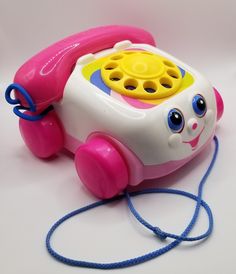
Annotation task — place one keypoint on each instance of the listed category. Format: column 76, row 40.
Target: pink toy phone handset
column 44, row 76
column 126, row 109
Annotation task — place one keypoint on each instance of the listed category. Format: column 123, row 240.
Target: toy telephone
column 126, row 109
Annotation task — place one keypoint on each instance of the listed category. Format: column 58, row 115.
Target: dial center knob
column 142, row 65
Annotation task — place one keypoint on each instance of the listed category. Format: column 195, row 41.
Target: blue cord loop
column 19, row 108
column 156, row 230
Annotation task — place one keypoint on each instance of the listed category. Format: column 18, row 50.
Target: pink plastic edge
column 219, row 104
column 45, row 74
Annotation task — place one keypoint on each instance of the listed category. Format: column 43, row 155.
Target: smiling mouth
column 194, row 142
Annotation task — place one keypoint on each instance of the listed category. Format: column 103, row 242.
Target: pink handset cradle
column 126, row 109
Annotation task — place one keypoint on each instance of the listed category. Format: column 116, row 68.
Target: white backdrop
column 35, row 193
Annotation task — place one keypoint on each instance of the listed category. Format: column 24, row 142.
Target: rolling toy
column 126, row 109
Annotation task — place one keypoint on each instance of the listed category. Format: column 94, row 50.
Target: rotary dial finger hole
column 168, row 63
column 131, row 84
column 111, row 66
column 173, row 74
column 116, row 76
column 166, row 83
column 150, row 87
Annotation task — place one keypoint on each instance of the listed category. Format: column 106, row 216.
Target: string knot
column 161, row 234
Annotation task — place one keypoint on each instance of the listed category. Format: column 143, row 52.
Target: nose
column 192, row 125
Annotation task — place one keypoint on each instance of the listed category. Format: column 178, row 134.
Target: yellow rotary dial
column 141, row 74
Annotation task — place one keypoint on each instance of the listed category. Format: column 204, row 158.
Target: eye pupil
column 176, row 118
column 201, row 104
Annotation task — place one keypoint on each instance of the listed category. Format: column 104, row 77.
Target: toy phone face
column 169, row 127
column 190, row 122
column 178, row 128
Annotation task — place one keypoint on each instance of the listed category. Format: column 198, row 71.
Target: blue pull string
column 19, row 108
column 163, row 235
column 153, row 254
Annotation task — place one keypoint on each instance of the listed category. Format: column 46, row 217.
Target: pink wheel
column 101, row 168
column 45, row 137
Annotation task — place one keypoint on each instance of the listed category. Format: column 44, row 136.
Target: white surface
column 133, row 126
column 34, row 193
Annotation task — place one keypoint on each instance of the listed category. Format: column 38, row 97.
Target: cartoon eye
column 175, row 120
column 199, row 105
